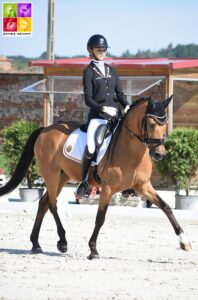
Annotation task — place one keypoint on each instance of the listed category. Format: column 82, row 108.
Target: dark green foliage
column 190, row 50
column 14, row 139
column 181, row 160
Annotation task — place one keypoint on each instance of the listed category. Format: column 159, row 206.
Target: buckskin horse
column 139, row 138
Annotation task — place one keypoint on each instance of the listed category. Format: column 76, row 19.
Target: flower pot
column 186, row 202
column 30, row 195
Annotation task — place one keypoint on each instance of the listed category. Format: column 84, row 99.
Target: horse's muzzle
column 156, row 155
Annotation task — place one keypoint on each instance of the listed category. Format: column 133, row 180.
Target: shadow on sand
column 29, row 252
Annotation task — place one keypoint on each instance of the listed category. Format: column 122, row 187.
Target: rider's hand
column 126, row 108
column 111, row 111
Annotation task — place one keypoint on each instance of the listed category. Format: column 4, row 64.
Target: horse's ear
column 167, row 101
column 150, row 104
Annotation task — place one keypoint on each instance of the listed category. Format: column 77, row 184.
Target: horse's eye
column 152, row 125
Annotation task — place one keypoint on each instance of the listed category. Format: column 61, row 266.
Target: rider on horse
column 103, row 95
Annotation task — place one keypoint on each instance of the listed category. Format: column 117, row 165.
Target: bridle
column 149, row 142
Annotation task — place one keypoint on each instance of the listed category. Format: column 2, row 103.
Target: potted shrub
column 14, row 139
column 180, row 165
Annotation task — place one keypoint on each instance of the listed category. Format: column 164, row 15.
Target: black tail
column 23, row 164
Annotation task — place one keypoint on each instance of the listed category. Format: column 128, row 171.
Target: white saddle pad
column 74, row 147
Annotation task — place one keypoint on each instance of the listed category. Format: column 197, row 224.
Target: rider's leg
column 91, row 131
column 88, row 155
column 86, row 162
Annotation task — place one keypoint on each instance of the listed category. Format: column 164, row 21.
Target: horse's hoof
column 93, row 256
column 185, row 246
column 62, row 247
column 36, row 250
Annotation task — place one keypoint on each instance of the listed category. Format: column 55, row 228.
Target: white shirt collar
column 99, row 63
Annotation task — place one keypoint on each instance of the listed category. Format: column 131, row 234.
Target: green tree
column 14, row 139
column 181, row 160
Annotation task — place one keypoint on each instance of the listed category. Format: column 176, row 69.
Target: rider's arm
column 88, row 90
column 119, row 90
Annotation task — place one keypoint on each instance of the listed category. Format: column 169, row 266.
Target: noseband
column 151, row 143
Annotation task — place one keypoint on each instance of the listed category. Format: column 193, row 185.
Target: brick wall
column 15, row 105
column 70, row 107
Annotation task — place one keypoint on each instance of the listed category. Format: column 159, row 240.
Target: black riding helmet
column 97, row 41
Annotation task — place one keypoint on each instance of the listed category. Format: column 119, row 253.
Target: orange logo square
column 24, row 24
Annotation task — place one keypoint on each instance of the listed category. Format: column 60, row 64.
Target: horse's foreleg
column 149, row 192
column 100, row 218
column 184, row 243
column 42, row 209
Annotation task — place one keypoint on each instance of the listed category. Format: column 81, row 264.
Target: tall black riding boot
column 83, row 186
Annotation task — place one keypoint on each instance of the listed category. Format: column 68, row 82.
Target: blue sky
column 127, row 24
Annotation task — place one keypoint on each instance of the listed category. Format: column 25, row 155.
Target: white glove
column 126, row 108
column 112, row 111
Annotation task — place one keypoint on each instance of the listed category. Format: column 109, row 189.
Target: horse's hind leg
column 149, row 192
column 44, row 204
column 42, row 209
column 62, row 243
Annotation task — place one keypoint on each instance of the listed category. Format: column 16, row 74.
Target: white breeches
column 93, row 125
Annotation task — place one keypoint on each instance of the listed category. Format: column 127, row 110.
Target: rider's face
column 99, row 53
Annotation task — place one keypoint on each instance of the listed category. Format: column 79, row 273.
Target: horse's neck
column 129, row 145
column 134, row 118
column 132, row 125
column 125, row 146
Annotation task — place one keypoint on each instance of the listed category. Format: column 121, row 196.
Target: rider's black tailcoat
column 100, row 90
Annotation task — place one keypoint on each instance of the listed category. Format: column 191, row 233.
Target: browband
column 161, row 120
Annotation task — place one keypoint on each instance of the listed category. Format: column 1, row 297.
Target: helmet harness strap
column 92, row 55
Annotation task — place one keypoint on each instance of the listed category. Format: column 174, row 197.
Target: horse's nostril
column 159, row 156
column 156, row 155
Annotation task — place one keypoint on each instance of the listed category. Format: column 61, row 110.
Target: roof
column 166, row 63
